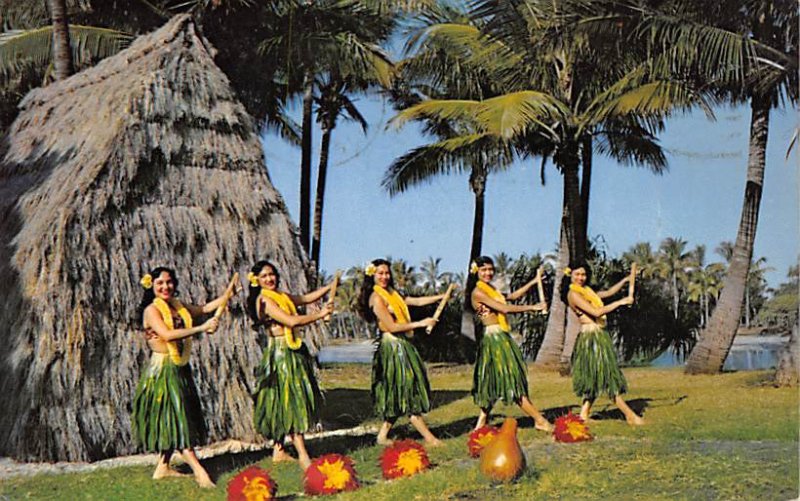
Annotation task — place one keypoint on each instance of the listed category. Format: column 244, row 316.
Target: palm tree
column 748, row 51
column 642, row 254
column 320, row 38
column 333, row 103
column 614, row 108
column 673, row 263
column 436, row 67
column 703, row 282
column 37, row 46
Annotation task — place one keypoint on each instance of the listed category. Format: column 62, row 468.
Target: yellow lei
column 177, row 357
column 286, row 304
column 591, row 296
column 497, row 296
column 396, row 304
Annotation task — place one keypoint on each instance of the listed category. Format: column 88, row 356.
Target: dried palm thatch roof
column 145, row 159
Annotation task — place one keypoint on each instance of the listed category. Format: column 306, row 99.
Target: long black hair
column 366, row 290
column 255, row 290
column 472, row 280
column 149, row 294
column 567, row 280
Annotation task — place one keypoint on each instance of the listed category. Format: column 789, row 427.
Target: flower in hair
column 253, row 279
column 370, row 270
column 147, row 281
column 568, row 271
column 473, row 268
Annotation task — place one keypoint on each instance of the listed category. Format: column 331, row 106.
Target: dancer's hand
column 428, row 322
column 211, row 325
column 327, row 309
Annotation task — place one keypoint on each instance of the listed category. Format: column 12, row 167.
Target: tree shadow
column 348, row 407
column 638, row 405
column 343, row 408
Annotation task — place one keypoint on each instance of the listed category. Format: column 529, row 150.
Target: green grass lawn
column 730, row 436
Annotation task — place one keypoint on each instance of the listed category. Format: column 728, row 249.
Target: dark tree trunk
column 477, row 183
column 62, row 54
column 319, row 201
column 709, row 354
column 573, row 206
column 586, row 178
column 305, row 161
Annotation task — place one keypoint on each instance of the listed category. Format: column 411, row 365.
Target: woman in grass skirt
column 166, row 409
column 400, row 384
column 287, row 395
column 500, row 371
column 595, row 370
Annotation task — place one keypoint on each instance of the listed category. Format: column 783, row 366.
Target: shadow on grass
column 347, row 407
column 638, row 405
column 342, row 408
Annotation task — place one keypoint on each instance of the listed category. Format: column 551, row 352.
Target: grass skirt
column 400, row 384
column 287, row 393
column 594, row 366
column 166, row 407
column 500, row 371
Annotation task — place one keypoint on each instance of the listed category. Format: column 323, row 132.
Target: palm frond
column 33, row 46
column 438, row 109
column 456, row 155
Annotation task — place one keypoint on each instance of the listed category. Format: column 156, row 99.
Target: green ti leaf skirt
column 166, row 408
column 595, row 370
column 400, row 384
column 500, row 371
column 287, row 395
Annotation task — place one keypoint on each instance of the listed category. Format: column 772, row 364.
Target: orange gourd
column 502, row 459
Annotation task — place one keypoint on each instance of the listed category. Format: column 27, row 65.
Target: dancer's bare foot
column 281, row 456
column 383, row 441
column 167, row 472
column 434, row 443
column 203, row 480
column 544, row 426
column 635, row 421
column 482, row 419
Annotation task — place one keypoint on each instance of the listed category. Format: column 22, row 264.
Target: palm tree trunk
column 305, row 161
column 319, row 201
column 477, row 182
column 715, row 342
column 573, row 207
column 549, row 355
column 62, row 54
column 676, row 298
column 586, row 177
column 746, row 305
column 788, row 373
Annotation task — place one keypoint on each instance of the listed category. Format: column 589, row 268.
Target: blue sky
column 699, row 199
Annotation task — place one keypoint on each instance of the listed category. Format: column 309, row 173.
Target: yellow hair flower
column 253, row 279
column 370, row 270
column 568, row 271
column 147, row 281
column 473, row 268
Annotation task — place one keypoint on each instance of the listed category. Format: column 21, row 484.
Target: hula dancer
column 594, row 362
column 500, row 370
column 287, row 394
column 167, row 416
column 400, row 384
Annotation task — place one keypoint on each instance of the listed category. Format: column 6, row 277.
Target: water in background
column 748, row 353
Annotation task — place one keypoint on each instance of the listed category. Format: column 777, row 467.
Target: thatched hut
column 145, row 159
